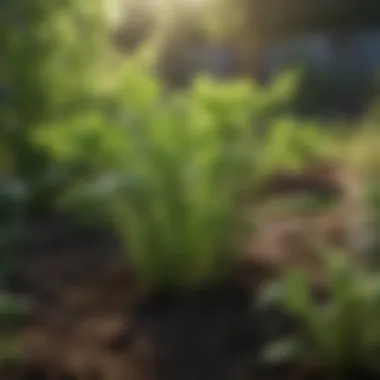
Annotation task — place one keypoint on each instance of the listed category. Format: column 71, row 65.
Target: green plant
column 52, row 55
column 340, row 333
column 168, row 168
column 189, row 160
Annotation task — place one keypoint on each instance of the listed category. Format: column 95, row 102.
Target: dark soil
column 91, row 321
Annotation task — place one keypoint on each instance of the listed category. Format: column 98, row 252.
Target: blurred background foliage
column 52, row 53
column 87, row 130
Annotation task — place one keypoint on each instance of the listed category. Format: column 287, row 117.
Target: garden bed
column 91, row 321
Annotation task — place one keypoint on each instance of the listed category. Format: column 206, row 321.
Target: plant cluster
column 166, row 169
column 339, row 333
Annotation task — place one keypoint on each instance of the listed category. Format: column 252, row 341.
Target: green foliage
column 174, row 165
column 165, row 168
column 51, row 56
column 342, row 332
column 292, row 144
column 168, row 168
column 50, row 60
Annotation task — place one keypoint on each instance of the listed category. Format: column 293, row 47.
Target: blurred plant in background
column 52, row 53
column 341, row 333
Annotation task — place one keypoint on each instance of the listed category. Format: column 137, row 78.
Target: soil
column 91, row 321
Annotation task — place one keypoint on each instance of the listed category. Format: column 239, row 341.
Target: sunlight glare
column 117, row 9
